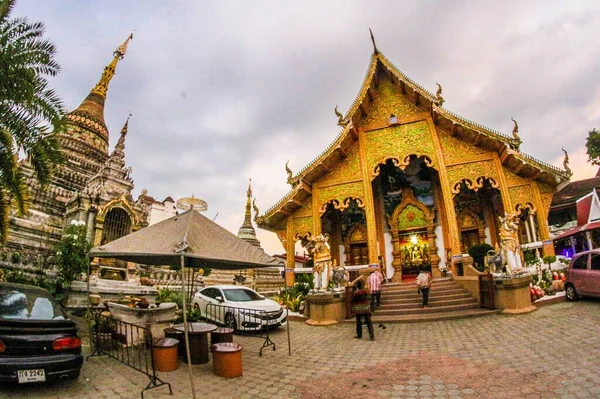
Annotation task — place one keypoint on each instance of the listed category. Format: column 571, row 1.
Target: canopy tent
column 202, row 242
column 191, row 240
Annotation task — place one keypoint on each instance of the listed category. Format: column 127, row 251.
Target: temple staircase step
column 447, row 300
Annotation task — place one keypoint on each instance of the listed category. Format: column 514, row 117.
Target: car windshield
column 23, row 304
column 241, row 295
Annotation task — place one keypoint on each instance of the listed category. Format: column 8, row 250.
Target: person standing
column 424, row 284
column 375, row 280
column 362, row 308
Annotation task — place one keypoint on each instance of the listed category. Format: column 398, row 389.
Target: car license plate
column 25, row 376
column 272, row 322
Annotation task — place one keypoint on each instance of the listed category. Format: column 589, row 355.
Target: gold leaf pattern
column 520, row 196
column 456, row 150
column 339, row 193
column 303, row 225
column 306, row 209
column 389, row 100
column 472, row 172
column 399, row 142
column 347, row 169
column 514, row 180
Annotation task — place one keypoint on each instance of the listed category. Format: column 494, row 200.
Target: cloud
column 222, row 91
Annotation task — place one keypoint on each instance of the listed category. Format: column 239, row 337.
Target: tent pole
column 185, row 327
column 287, row 317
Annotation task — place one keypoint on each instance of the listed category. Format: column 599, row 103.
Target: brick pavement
column 496, row 356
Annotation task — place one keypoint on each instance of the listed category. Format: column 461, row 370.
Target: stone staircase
column 447, row 300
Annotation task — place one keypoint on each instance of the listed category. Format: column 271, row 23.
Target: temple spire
column 121, row 143
column 90, row 113
column 247, row 232
column 109, row 71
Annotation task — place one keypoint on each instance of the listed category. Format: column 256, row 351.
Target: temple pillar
column 369, row 202
column 290, row 250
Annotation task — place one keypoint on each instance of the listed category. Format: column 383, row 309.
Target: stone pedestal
column 512, row 295
column 155, row 319
column 325, row 309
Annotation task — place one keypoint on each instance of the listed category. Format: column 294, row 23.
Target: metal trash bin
column 170, row 332
column 227, row 359
column 164, row 354
column 221, row 334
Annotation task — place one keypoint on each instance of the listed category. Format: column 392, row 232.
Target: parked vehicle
column 37, row 340
column 583, row 275
column 239, row 307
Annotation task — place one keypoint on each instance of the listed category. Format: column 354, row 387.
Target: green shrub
column 168, row 295
column 478, row 253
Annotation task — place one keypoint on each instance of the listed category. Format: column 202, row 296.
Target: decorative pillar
column 369, row 203
column 448, row 197
column 533, row 229
column 290, row 250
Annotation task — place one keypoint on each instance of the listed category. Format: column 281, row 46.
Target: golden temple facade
column 411, row 183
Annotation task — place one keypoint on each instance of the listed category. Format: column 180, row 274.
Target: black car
column 37, row 340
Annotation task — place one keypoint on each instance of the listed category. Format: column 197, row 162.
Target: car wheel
column 196, row 306
column 571, row 293
column 230, row 321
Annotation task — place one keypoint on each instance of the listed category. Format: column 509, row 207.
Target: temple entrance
column 477, row 208
column 346, row 225
column 405, row 196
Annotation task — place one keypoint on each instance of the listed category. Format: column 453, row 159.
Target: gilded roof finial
column 109, row 71
column 290, row 179
column 341, row 121
column 516, row 138
column 439, row 100
column 373, row 40
column 566, row 163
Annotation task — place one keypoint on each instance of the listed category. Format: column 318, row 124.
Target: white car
column 238, row 307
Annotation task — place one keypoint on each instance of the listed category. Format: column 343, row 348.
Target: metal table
column 198, row 337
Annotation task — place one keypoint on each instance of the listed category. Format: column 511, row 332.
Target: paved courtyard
column 553, row 352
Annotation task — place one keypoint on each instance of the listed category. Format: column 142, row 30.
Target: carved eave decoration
column 453, row 124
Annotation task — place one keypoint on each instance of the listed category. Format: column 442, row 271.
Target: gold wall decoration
column 346, row 170
column 514, row 180
column 389, row 100
column 399, row 142
column 473, row 174
column 456, row 151
column 302, row 225
column 306, row 209
column 340, row 194
column 521, row 197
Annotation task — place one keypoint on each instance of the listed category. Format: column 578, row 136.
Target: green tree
column 593, row 146
column 30, row 112
column 71, row 252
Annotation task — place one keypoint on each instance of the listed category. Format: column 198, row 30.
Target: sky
column 224, row 91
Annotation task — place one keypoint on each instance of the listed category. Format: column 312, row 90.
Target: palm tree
column 30, row 112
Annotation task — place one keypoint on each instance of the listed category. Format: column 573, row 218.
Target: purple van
column 583, row 275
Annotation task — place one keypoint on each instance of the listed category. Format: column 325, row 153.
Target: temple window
column 116, row 225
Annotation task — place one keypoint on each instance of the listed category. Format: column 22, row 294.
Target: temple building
column 411, row 183
column 91, row 185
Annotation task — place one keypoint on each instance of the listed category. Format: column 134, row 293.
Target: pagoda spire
column 90, row 113
column 247, row 232
column 109, row 71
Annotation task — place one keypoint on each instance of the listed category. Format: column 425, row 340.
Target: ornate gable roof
column 380, row 67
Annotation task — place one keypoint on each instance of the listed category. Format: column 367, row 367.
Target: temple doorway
column 405, row 196
column 477, row 206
